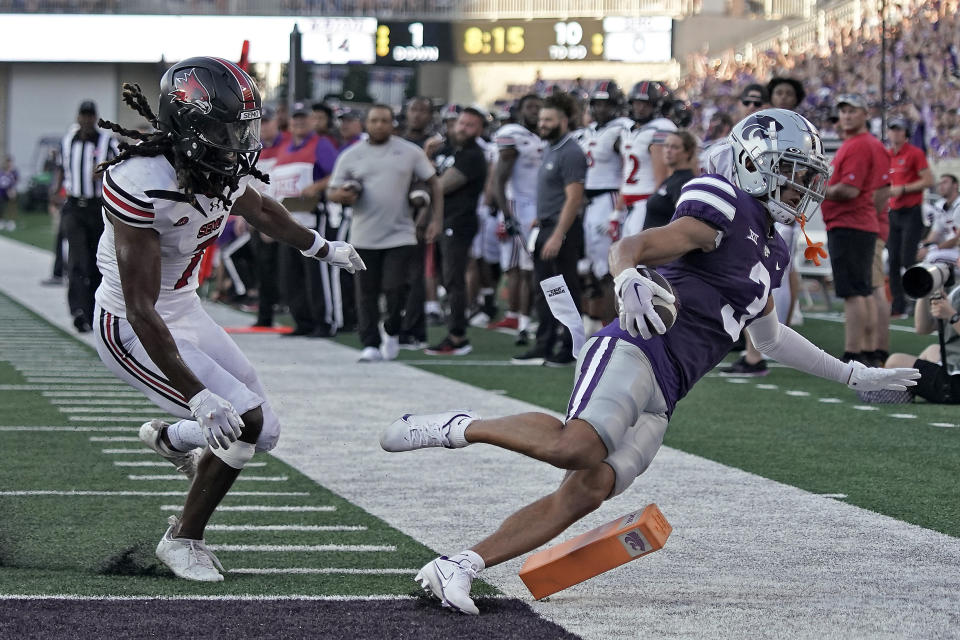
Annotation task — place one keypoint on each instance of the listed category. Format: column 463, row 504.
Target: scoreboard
column 406, row 42
column 611, row 39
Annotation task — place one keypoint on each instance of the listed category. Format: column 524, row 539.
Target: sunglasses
column 751, row 103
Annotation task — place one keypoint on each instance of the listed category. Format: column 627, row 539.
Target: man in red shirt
column 852, row 226
column 909, row 176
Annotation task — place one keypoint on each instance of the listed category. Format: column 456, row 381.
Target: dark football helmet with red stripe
column 607, row 90
column 212, row 107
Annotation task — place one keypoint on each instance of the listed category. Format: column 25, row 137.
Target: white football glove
column 635, row 301
column 864, row 378
column 220, row 422
column 342, row 254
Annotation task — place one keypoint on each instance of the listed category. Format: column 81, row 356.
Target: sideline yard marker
column 596, row 551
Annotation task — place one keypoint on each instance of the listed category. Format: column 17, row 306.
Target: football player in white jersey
column 520, row 150
column 599, row 141
column 483, row 274
column 642, row 149
column 166, row 200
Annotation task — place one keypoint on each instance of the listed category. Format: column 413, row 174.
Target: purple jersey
column 718, row 293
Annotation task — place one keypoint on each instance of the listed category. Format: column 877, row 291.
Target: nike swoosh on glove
column 342, row 254
column 220, row 422
column 864, row 378
column 635, row 294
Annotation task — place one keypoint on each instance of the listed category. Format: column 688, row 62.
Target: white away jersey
column 638, row 178
column 143, row 193
column 529, row 146
column 604, row 164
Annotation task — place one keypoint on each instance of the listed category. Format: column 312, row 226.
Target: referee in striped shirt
column 81, row 221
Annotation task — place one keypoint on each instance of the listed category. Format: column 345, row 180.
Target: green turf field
column 102, row 543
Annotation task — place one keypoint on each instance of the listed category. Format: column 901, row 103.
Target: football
column 666, row 310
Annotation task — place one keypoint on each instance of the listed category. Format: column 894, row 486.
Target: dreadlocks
column 189, row 178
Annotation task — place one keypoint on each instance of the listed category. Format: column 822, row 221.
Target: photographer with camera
column 935, row 310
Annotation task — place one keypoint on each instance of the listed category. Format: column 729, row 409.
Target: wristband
column 318, row 242
column 954, row 318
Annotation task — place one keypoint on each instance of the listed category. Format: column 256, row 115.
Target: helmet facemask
column 795, row 170
column 229, row 149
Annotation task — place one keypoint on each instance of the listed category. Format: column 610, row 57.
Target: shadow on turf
column 133, row 561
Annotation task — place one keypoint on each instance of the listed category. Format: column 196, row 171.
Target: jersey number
column 194, row 261
column 635, row 164
column 732, row 325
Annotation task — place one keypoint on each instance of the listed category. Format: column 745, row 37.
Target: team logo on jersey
column 209, row 227
column 766, row 252
column 761, row 128
column 753, row 236
column 188, row 89
column 182, row 221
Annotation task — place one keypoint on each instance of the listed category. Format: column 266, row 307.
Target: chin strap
column 814, row 250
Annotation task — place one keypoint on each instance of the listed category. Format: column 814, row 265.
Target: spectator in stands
column 753, row 98
column 851, row 221
column 81, row 218
column 299, row 177
column 559, row 240
column 463, row 172
column 785, row 93
column 323, row 123
column 419, row 121
column 680, row 154
column 8, row 194
column 369, row 176
column 910, row 176
column 351, row 128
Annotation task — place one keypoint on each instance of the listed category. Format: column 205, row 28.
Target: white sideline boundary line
column 138, row 463
column 286, row 527
column 134, row 452
column 136, row 419
column 113, row 439
column 112, row 392
column 100, row 402
column 42, row 429
column 311, row 548
column 320, row 571
column 261, row 507
column 96, row 409
column 50, row 492
column 56, row 390
column 253, row 597
column 180, row 476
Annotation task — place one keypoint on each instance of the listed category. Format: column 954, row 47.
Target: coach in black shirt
column 463, row 172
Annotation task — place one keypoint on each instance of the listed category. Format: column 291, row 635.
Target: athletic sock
column 470, row 557
column 523, row 322
column 432, row 306
column 186, row 435
column 457, row 431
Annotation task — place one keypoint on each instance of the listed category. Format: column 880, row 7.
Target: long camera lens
column 920, row 280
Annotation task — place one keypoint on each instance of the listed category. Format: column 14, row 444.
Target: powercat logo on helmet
column 188, row 89
column 761, row 127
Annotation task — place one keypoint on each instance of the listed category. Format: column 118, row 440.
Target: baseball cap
column 898, row 122
column 348, row 114
column 268, row 112
column 855, row 100
column 299, row 109
column 88, row 107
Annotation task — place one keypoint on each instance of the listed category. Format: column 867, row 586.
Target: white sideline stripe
column 269, row 548
column 258, row 507
column 70, row 428
column 180, row 476
column 54, row 390
column 285, row 527
column 136, row 419
column 113, row 439
column 71, row 381
column 73, row 400
column 838, row 496
column 135, row 452
column 57, row 373
column 325, row 571
column 145, row 409
column 903, row 416
column 138, row 463
column 44, row 492
column 113, row 392
column 253, row 597
column 946, row 425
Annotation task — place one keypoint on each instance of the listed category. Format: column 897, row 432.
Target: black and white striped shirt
column 79, row 158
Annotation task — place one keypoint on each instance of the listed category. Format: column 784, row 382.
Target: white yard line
column 145, row 409
column 262, row 507
column 303, row 548
column 41, row 429
column 137, row 463
column 50, row 492
column 134, row 452
column 113, row 439
column 180, row 476
column 285, row 527
column 101, row 402
column 322, row 571
column 133, row 420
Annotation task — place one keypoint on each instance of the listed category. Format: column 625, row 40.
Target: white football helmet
column 774, row 148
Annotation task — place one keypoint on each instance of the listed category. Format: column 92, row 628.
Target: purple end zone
column 419, row 618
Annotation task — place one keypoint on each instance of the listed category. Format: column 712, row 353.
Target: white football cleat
column 390, row 348
column 188, row 559
column 370, row 354
column 185, row 462
column 450, row 582
column 431, row 430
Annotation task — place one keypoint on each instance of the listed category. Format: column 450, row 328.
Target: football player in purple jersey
column 721, row 256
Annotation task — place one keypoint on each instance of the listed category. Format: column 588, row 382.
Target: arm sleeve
column 340, row 170
column 709, row 198
column 790, row 348
column 573, row 166
column 422, row 167
column 471, row 164
column 854, row 168
column 125, row 200
column 324, row 158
